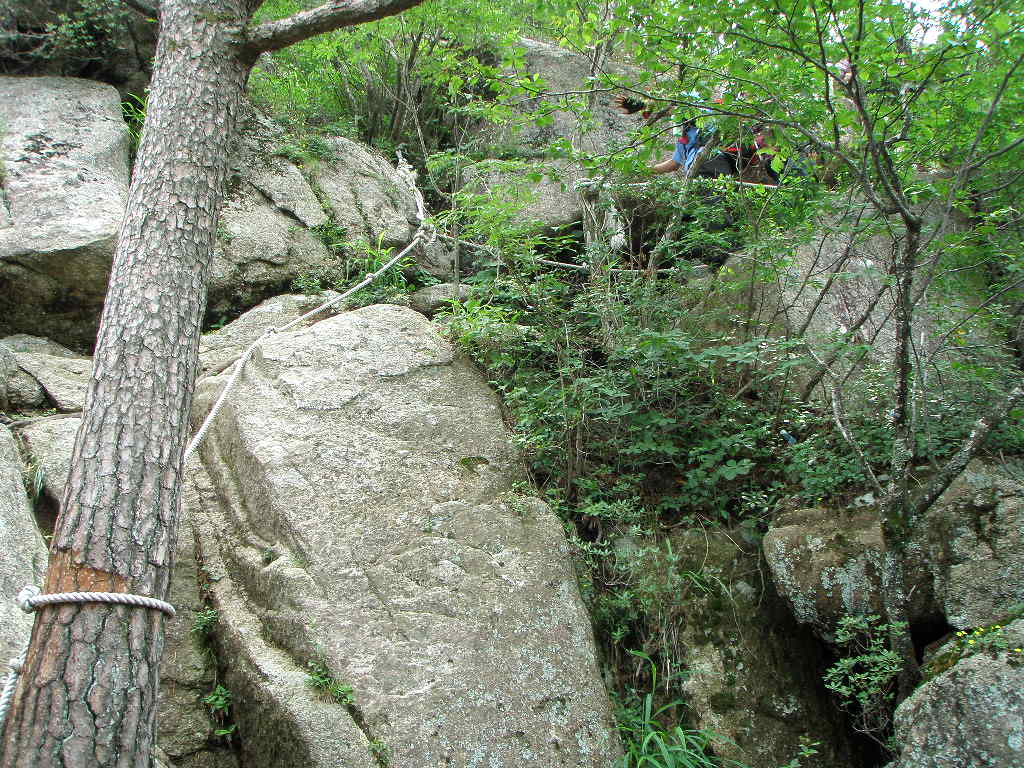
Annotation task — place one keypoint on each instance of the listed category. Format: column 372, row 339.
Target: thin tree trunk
column 88, row 689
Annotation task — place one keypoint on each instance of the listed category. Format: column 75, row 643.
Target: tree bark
column 87, row 694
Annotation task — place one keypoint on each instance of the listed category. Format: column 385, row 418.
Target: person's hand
column 627, row 105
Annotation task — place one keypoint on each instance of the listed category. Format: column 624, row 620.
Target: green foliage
column 320, row 678
column 306, row 150
column 349, row 262
column 648, row 743
column 204, row 622
column 85, row 35
column 133, row 108
column 218, row 701
column 864, row 678
column 380, row 752
column 413, row 80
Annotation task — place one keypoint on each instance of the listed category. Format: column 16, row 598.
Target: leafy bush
column 864, row 678
column 648, row 743
column 321, row 679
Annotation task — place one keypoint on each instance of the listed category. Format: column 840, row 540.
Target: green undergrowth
column 646, row 401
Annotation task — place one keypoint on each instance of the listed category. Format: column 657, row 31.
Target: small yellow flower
column 970, row 642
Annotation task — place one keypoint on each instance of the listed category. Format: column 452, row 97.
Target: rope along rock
column 30, row 598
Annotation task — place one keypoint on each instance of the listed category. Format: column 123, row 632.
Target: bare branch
column 958, row 462
column 335, row 14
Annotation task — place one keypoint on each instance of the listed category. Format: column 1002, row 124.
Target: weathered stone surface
column 564, row 71
column 65, row 153
column 50, row 442
column 23, row 342
column 828, row 564
column 555, row 201
column 187, row 670
column 373, row 203
column 429, row 300
column 975, row 545
column 970, row 715
column 219, row 349
column 359, row 513
column 24, row 554
column 286, row 187
column 752, row 675
column 260, row 249
column 64, row 380
column 965, row 560
column 8, row 369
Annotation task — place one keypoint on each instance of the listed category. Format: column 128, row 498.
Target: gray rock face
column 65, row 182
column 187, row 671
column 64, row 380
column 373, row 203
column 219, row 349
column 965, row 560
column 357, row 512
column 24, row 554
column 430, row 300
column 752, row 675
column 968, row 716
column 828, row 565
column 975, row 545
column 263, row 238
column 554, row 202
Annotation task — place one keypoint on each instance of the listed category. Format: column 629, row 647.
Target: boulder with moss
column 748, row 672
column 360, row 529
column 969, row 713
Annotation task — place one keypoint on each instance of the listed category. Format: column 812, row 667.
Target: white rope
column 30, row 599
column 12, row 682
column 420, row 237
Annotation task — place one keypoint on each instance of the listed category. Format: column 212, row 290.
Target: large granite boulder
column 964, row 564
column 968, row 716
column 975, row 545
column 39, row 373
column 24, row 554
column 218, row 350
column 186, row 732
column 828, row 565
column 357, row 513
column 373, row 202
column 552, row 201
column 65, row 183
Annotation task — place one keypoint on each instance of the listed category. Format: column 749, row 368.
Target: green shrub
column 865, row 676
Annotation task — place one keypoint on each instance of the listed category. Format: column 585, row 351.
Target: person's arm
column 665, row 166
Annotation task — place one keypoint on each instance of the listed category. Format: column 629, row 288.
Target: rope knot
column 24, row 598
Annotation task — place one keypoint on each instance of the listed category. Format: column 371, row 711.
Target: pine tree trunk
column 87, row 694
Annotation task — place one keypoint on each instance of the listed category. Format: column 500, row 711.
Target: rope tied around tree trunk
column 30, row 599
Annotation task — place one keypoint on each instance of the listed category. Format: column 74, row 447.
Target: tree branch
column 974, row 442
column 335, row 14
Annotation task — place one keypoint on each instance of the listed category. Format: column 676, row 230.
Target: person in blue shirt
column 732, row 161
